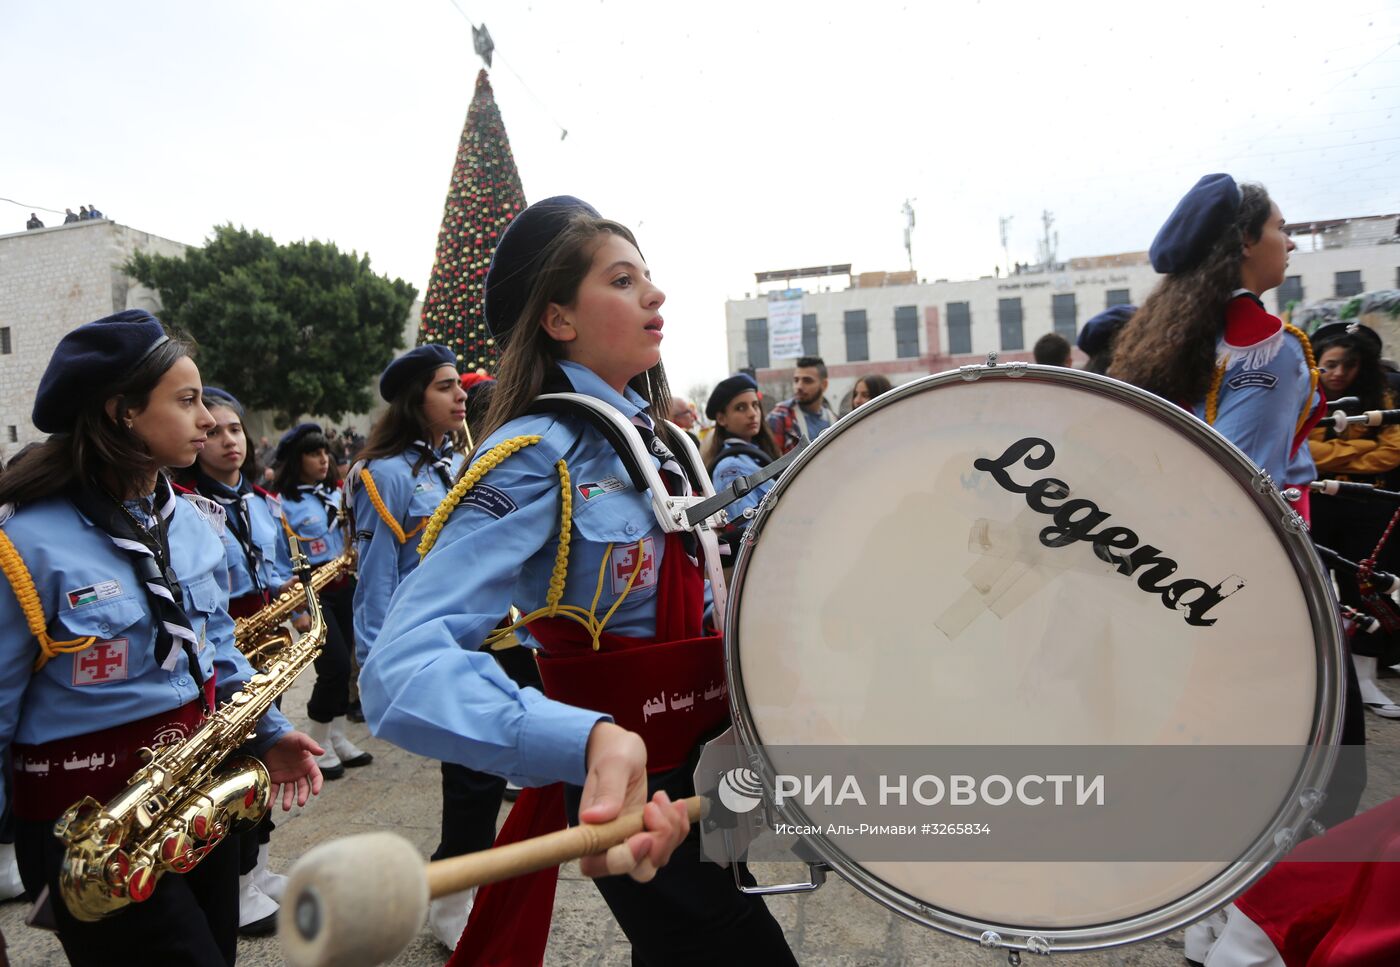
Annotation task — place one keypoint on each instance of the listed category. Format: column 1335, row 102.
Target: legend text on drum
column 1075, row 520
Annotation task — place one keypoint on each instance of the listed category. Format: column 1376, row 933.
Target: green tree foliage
column 295, row 329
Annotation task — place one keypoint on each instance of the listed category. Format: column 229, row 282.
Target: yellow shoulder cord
column 23, row 586
column 286, row 526
column 367, row 479
column 501, row 638
column 1213, row 395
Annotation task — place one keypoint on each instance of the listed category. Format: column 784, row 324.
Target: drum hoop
column 1291, row 817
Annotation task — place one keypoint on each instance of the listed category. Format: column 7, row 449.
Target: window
column 1066, row 318
column 1116, row 297
column 14, row 433
column 906, row 331
column 959, row 328
column 1348, row 283
column 809, row 334
column 1009, row 317
column 756, row 339
column 5, row 348
column 1290, row 291
column 857, row 336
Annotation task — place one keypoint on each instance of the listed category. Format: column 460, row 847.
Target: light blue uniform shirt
column 276, row 567
column 320, row 541
column 383, row 562
column 1259, row 409
column 88, row 586
column 426, row 687
column 729, row 468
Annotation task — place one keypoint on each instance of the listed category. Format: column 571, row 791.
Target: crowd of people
column 85, row 213
column 517, row 602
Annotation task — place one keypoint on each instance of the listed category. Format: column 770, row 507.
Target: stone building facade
column 51, row 281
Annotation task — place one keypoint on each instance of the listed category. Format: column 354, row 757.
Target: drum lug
column 1262, row 482
column 816, row 876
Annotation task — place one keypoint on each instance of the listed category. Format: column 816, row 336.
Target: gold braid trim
column 367, row 479
column 488, row 461
column 23, row 586
column 286, row 526
column 1218, row 377
column 502, row 638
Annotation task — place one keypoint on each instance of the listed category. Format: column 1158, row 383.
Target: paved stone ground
column 834, row 926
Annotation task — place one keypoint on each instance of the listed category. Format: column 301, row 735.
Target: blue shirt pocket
column 424, row 502
column 202, row 596
column 102, row 620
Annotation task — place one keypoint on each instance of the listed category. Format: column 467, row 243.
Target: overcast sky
column 733, row 137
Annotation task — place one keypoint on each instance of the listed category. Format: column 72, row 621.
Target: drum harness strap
column 22, row 584
column 625, row 440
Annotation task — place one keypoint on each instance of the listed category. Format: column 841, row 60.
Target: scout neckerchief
column 440, row 460
column 677, row 483
column 329, row 499
column 147, row 543
column 235, row 502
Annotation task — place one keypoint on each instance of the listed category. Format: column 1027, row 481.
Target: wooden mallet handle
column 459, row 873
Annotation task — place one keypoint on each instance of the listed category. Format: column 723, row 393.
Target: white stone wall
column 51, row 281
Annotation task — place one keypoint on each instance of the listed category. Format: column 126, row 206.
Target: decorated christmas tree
column 485, row 194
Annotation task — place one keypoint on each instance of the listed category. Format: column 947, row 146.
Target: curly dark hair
column 1169, row 345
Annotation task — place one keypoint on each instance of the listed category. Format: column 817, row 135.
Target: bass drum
column 890, row 592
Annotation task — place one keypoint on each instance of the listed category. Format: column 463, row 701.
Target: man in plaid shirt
column 806, row 414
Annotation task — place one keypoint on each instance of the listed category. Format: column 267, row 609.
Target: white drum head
column 894, row 595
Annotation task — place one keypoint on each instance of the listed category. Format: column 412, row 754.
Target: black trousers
column 471, row 800
column 191, row 920
column 691, row 913
column 330, row 696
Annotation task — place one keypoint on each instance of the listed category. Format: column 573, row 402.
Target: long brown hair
column 530, row 352
column 99, row 451
column 1168, row 347
column 402, row 423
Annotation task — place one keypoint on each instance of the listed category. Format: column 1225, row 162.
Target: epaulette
column 1253, row 337
column 208, row 510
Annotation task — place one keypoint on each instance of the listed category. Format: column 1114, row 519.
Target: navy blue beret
column 412, row 364
column 214, row 396
column 290, row 438
column 725, row 391
column 90, row 357
column 1355, row 334
column 1097, row 334
column 1192, row 228
column 516, row 260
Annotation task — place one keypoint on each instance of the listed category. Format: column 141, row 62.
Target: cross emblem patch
column 103, row 662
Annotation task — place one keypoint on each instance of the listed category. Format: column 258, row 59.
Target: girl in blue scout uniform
column 259, row 568
column 259, row 562
column 1204, row 340
column 311, row 510
column 404, row 471
column 740, row 445
column 546, row 519
column 125, row 635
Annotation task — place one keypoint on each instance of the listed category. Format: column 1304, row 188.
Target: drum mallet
column 361, row 900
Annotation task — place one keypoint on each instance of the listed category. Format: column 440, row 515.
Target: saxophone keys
column 141, row 884
column 177, row 852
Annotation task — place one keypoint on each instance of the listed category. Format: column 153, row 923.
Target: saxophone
column 186, row 798
column 260, row 635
